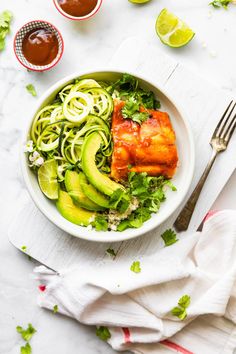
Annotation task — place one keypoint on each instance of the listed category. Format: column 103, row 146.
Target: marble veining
column 87, row 45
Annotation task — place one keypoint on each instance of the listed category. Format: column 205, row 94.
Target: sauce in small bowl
column 78, row 9
column 38, row 45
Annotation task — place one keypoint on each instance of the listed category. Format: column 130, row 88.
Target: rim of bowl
column 43, row 66
column 76, row 18
column 107, row 236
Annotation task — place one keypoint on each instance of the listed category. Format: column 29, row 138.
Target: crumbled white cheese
column 36, row 159
column 114, row 217
column 213, row 53
column 112, row 227
column 89, row 227
column 209, row 14
column 28, row 147
column 92, row 219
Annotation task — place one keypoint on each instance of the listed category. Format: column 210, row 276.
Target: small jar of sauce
column 78, row 9
column 40, row 46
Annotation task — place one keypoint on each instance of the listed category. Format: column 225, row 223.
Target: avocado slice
column 73, row 187
column 92, row 193
column 72, row 212
column 100, row 181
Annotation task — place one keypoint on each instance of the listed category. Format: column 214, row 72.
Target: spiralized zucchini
column 59, row 129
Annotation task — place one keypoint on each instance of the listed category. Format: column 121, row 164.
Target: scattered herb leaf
column 55, row 308
column 111, row 252
column 180, row 310
column 135, row 267
column 169, row 237
column 26, row 349
column 220, row 3
column 24, row 248
column 31, row 89
column 5, row 20
column 27, row 333
column 103, row 333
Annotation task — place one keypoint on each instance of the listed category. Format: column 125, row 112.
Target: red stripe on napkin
column 175, row 346
column 210, row 214
column 42, row 287
column 126, row 334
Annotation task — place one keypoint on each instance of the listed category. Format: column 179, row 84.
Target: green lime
column 47, row 177
column 139, row 1
column 172, row 31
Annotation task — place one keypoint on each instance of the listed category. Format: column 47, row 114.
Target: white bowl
column 181, row 180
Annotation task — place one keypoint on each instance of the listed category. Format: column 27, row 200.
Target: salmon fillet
column 147, row 148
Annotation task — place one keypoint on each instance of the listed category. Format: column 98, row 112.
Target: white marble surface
column 86, row 44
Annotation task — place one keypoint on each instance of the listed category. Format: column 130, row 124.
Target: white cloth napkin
column 136, row 307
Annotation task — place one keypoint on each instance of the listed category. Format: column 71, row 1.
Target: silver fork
column 219, row 142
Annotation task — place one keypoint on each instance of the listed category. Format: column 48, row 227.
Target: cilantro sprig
column 134, row 97
column 180, row 310
column 27, row 333
column 150, row 193
column 5, row 21
column 220, row 3
column 103, row 333
column 169, row 237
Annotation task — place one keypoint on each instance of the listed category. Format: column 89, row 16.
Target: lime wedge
column 172, row 31
column 139, row 1
column 47, row 178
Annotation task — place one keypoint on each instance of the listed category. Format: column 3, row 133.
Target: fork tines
column 227, row 123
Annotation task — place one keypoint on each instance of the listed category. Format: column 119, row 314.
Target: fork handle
column 183, row 220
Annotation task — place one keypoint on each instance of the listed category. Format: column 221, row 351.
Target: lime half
column 173, row 31
column 139, row 1
column 47, row 177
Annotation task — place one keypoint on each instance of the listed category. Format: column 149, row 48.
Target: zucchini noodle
column 60, row 128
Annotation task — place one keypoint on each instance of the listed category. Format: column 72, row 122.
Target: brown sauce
column 78, row 8
column 40, row 46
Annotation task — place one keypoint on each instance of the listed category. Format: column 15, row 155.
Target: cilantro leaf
column 140, row 117
column 169, row 237
column 126, row 84
column 220, row 3
column 131, row 111
column 111, row 252
column 100, row 223
column 24, row 248
column 26, row 334
column 180, row 310
column 5, row 21
column 119, row 200
column 103, row 333
column 184, row 301
column 55, row 308
column 26, row 349
column 135, row 267
column 148, row 99
column 131, row 106
column 31, row 89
